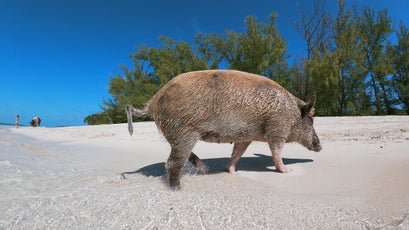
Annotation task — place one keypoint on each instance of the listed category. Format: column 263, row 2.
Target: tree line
column 352, row 63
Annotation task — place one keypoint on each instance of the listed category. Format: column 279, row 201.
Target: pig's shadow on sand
column 257, row 163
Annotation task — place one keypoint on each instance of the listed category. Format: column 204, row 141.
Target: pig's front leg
column 276, row 149
column 238, row 151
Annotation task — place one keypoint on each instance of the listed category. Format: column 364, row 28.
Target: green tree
column 132, row 86
column 260, row 49
column 349, row 60
column 399, row 54
column 209, row 47
column 374, row 30
column 97, row 119
column 350, row 64
column 325, row 69
column 153, row 67
column 314, row 27
column 173, row 59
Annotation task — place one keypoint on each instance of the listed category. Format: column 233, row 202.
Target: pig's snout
column 315, row 145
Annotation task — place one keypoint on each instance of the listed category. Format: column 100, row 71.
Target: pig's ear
column 308, row 108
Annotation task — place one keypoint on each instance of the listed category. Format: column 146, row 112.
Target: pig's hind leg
column 238, row 150
column 198, row 163
column 180, row 151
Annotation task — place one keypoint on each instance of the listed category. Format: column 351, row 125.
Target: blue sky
column 56, row 56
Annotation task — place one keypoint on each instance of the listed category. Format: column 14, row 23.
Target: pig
column 36, row 121
column 227, row 106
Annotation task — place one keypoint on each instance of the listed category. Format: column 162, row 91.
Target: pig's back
column 223, row 100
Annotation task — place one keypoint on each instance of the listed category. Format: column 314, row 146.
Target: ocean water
column 6, row 126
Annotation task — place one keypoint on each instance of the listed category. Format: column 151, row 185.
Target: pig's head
column 303, row 131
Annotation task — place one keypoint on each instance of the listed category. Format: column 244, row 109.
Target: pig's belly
column 230, row 137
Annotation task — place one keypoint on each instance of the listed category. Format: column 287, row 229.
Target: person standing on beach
column 17, row 120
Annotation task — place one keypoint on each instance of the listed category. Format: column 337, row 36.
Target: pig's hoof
column 284, row 170
column 174, row 184
column 175, row 187
column 202, row 168
column 231, row 169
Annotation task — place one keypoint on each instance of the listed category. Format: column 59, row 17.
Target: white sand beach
column 100, row 177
